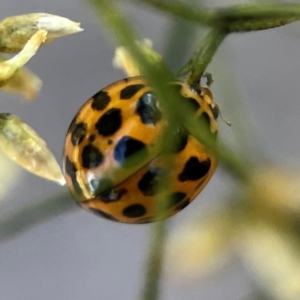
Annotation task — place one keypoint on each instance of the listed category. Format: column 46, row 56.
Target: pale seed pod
column 23, row 145
column 15, row 31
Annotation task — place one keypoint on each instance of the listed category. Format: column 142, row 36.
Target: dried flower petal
column 123, row 60
column 9, row 67
column 16, row 31
column 22, row 144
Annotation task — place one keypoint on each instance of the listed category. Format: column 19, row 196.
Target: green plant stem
column 252, row 17
column 200, row 15
column 206, row 51
column 151, row 287
column 239, row 18
column 179, row 46
column 195, row 56
column 33, row 214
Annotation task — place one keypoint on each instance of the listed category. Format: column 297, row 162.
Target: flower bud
column 17, row 30
column 23, row 145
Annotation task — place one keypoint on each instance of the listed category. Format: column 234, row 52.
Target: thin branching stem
column 195, row 56
column 151, row 288
column 33, row 214
column 200, row 15
column 239, row 18
column 206, row 53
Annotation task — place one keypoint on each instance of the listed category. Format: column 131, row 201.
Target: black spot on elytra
column 112, row 195
column 150, row 181
column 134, row 211
column 129, row 91
column 73, row 123
column 176, row 198
column 100, row 100
column 92, row 138
column 78, row 132
column 194, row 169
column 183, row 204
column 179, row 140
column 102, row 214
column 91, row 157
column 109, row 142
column 71, row 170
column 109, row 122
column 127, row 147
column 147, row 109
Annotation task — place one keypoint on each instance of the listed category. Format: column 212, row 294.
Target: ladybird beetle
column 125, row 119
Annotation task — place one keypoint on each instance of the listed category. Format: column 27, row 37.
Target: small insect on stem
column 113, row 163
